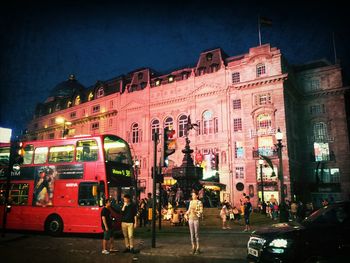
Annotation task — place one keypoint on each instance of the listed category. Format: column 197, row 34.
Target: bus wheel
column 54, row 225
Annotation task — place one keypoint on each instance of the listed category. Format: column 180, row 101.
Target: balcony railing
column 269, row 152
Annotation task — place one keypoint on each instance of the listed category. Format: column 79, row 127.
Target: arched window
column 263, row 121
column 154, row 127
column 77, row 100
column 100, row 92
column 169, row 123
column 320, row 131
column 260, row 69
column 135, row 133
column 207, row 122
column 182, row 125
column 69, row 103
column 57, row 107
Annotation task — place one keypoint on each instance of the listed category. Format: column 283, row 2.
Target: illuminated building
column 238, row 103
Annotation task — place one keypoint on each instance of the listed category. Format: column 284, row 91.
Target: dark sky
column 42, row 43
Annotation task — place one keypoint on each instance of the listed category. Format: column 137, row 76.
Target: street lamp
column 279, row 137
column 61, row 120
column 263, row 206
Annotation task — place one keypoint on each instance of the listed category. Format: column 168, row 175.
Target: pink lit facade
column 238, row 103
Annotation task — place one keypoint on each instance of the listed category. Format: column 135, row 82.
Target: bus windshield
column 116, row 150
column 4, row 155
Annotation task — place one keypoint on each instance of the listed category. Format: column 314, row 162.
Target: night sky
column 42, row 43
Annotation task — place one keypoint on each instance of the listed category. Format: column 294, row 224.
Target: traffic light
column 169, row 145
column 16, row 154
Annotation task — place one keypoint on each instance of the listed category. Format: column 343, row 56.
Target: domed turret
column 67, row 88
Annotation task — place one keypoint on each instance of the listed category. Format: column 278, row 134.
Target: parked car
column 321, row 237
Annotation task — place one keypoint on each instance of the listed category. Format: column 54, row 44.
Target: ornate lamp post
column 261, row 162
column 61, row 120
column 136, row 169
column 279, row 137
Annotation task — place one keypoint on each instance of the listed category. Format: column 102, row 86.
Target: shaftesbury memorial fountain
column 188, row 175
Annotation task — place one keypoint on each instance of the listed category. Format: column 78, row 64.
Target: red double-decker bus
column 61, row 184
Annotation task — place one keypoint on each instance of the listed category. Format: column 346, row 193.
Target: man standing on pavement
column 247, row 211
column 129, row 222
column 107, row 226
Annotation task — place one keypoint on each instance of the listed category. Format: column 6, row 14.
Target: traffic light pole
column 155, row 137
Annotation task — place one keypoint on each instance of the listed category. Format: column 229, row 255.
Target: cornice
column 326, row 92
column 259, row 82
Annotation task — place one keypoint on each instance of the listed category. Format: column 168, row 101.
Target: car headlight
column 280, row 242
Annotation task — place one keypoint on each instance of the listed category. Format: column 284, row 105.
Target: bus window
column 4, row 155
column 86, row 194
column 87, row 150
column 28, row 154
column 116, row 150
column 60, row 154
column 40, row 155
column 18, row 194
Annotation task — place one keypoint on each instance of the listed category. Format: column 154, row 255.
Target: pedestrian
column 107, row 226
column 149, row 206
column 247, row 211
column 293, row 210
column 143, row 213
column 129, row 222
column 194, row 212
column 223, row 215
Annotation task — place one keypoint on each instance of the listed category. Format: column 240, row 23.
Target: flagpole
column 334, row 49
column 259, row 30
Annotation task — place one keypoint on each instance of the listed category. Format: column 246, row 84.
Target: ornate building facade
column 238, row 104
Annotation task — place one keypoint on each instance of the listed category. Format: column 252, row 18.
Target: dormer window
column 91, row 96
column 58, row 107
column 201, row 71
column 140, row 76
column 158, row 82
column 77, row 100
column 143, row 85
column 170, row 79
column 69, row 103
column 185, row 75
column 214, row 67
column 100, row 92
column 209, row 57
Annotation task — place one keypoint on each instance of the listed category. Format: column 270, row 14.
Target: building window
column 240, row 172
column 154, row 128
column 263, row 121
column 239, row 151
column 216, row 125
column 320, row 131
column 69, row 103
column 185, row 75
column 199, row 127
column 143, row 85
column 73, row 114
column 237, row 125
column 335, row 175
column 140, row 75
column 50, row 110
column 52, row 135
column 100, row 92
column 314, row 84
column 158, row 82
column 77, row 100
column 260, row 70
column 263, row 99
column 91, row 96
column 111, row 104
column 209, row 56
column 171, row 79
column 96, row 109
column 236, row 104
column 135, row 133
column 182, row 125
column 95, row 126
column 169, row 123
column 52, row 121
column 207, row 122
column 214, row 67
column 58, row 107
column 317, row 109
column 236, row 78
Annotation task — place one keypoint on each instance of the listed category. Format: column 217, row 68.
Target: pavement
column 172, row 245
